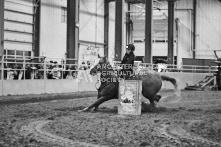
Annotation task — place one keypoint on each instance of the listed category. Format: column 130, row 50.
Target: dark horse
column 151, row 83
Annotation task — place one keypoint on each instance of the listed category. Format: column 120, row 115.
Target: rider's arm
column 130, row 60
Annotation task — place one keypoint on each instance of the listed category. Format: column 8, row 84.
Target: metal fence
column 27, row 67
column 174, row 68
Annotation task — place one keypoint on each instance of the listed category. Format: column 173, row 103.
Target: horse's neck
column 108, row 76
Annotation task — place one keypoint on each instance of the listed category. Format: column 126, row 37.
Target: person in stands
column 128, row 62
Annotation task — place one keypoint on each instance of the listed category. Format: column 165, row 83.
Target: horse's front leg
column 98, row 97
column 96, row 104
column 84, row 110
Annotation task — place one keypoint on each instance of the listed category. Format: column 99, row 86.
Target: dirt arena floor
column 194, row 121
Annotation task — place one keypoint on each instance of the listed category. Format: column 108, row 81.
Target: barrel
column 130, row 97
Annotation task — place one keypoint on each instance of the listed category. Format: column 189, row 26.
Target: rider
column 128, row 61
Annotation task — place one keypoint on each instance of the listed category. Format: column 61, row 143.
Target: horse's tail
column 174, row 82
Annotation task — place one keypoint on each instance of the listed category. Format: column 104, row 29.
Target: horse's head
column 100, row 65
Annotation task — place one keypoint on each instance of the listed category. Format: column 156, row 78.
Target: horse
column 151, row 83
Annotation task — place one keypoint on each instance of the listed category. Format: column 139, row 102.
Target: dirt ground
column 193, row 121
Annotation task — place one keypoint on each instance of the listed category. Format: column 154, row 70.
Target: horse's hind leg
column 152, row 103
column 157, row 98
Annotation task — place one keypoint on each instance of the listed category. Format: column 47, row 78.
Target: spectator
column 33, row 69
column 83, row 66
column 74, row 72
column 21, row 73
column 56, row 71
column 49, row 72
column 69, row 72
column 15, row 71
column 65, row 72
column 28, row 71
column 88, row 65
column 5, row 71
column 10, row 74
column 69, row 75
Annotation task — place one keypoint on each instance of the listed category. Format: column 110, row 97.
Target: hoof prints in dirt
column 34, row 130
column 178, row 136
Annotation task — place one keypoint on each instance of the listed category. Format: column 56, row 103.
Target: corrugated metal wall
column 111, row 44
column 92, row 20
column 53, row 29
column 209, row 28
column 18, row 26
column 111, row 30
column 160, row 19
column 91, row 30
column 184, row 29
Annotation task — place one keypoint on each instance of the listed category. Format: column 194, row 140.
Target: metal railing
column 37, row 68
column 174, row 68
column 47, row 68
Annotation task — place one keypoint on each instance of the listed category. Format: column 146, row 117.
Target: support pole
column 170, row 31
column 119, row 9
column 37, row 22
column 194, row 27
column 128, row 33
column 148, row 31
column 106, row 27
column 72, row 29
column 2, row 6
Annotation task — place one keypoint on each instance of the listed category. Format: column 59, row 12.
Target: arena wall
column 84, row 83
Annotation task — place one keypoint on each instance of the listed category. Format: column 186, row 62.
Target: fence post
column 44, row 68
column 24, row 64
column 2, row 69
column 2, row 75
column 45, row 79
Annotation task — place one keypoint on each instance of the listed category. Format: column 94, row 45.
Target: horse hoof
column 157, row 98
column 94, row 110
column 84, row 110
